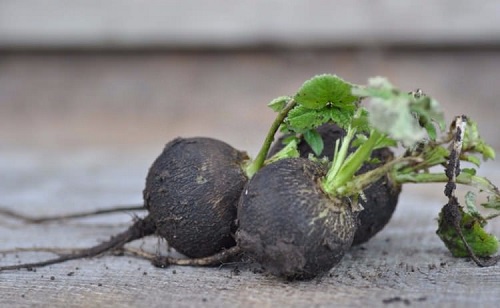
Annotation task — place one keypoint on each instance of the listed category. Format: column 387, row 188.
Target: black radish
column 289, row 225
column 379, row 199
column 191, row 193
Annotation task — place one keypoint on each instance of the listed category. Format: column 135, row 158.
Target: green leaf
column 482, row 243
column 488, row 152
column 322, row 99
column 431, row 131
column 373, row 160
column 315, row 141
column 404, row 117
column 470, row 171
column 377, row 87
column 340, row 117
column 435, row 156
column 360, row 122
column 301, row 119
column 289, row 151
column 360, row 139
column 385, row 141
column 428, row 112
column 394, row 118
column 289, row 139
column 473, row 143
column 470, row 203
column 471, row 158
column 323, row 90
column 493, row 203
column 382, row 142
column 279, row 103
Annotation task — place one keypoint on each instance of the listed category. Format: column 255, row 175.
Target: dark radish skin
column 289, row 225
column 381, row 197
column 191, row 193
column 192, row 190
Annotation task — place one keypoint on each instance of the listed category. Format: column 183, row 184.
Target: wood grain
column 63, row 150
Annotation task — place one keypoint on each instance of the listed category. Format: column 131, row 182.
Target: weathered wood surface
column 79, row 133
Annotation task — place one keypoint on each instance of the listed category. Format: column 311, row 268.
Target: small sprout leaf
column 289, row 151
column 385, row 141
column 488, row 152
column 360, row 139
column 374, row 160
column 473, row 143
column 428, row 112
column 431, row 131
column 315, row 141
column 435, row 156
column 493, row 203
column 470, row 171
column 472, row 159
column 470, row 203
column 360, row 121
column 289, row 139
column 279, row 103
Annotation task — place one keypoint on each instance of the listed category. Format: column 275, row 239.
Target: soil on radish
column 287, row 223
column 381, row 197
column 192, row 190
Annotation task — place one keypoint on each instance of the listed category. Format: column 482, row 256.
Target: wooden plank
column 405, row 263
column 222, row 23
column 79, row 133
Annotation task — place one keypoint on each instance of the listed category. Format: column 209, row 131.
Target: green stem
column 338, row 160
column 357, row 159
column 464, row 178
column 352, row 164
column 433, row 157
column 489, row 217
column 362, row 181
column 258, row 162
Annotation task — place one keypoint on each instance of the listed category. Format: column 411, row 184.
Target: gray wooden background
column 225, row 23
column 90, row 91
